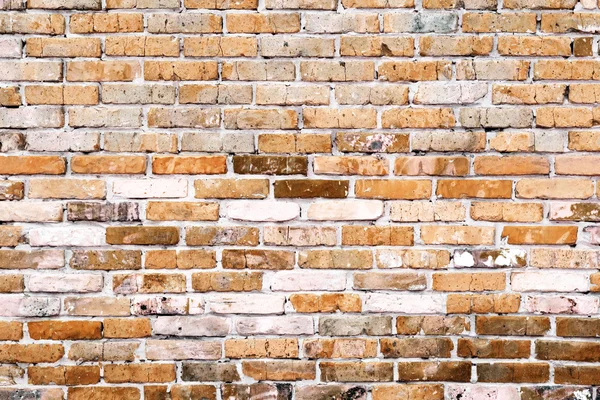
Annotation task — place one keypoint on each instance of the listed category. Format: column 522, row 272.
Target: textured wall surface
column 299, row 200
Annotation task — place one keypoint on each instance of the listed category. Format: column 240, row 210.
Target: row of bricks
column 302, row 280
column 274, row 46
column 486, row 165
column 301, row 325
column 243, row 46
column 257, row 23
column 341, row 371
column 452, row 235
column 289, row 119
column 263, row 259
column 285, row 391
column 329, row 5
column 310, row 71
column 542, row 141
column 456, row 303
column 255, row 211
column 299, row 95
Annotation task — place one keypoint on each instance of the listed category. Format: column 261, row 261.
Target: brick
column 179, row 349
column 404, row 303
column 290, row 281
column 183, row 118
column 246, row 304
column 431, row 325
column 15, row 306
column 563, row 69
column 139, row 373
column 454, row 371
column 468, row 282
column 561, row 304
column 297, row 188
column 458, row 189
column 125, row 393
column 190, row 326
column 540, row 235
column 188, row 23
column 414, row 71
column 374, row 235
column 31, row 212
column 493, row 348
column 149, row 283
column 425, row 211
column 83, row 211
column 215, row 142
column 10, row 330
column 220, row 46
column 65, row 330
column 455, row 46
column 377, row 46
column 323, row 391
column 182, row 211
column 416, row 348
column 257, row 70
column 362, row 94
column 335, row 71
column 10, row 236
column 510, row 70
column 554, row 188
column 418, row 259
column 80, row 189
column 180, row 70
column 388, row 392
column 358, row 325
column 420, row 23
column 294, row 370
column 142, row 235
column 97, row 306
column 208, row 371
column 11, row 190
column 335, row 259
column 393, row 189
column 308, row 303
column 215, row 236
column 141, row 46
column 457, row 235
column 488, row 211
column 512, row 326
column 418, row 118
column 31, row 353
column 454, row 166
column 102, row 71
column 448, row 141
column 513, row 372
column 348, row 165
column 356, row 371
column 248, row 391
column 340, row 348
column 106, row 23
column 257, row 259
column 582, row 165
column 268, row 211
column 536, row 392
column 496, row 22
column 43, row 23
column 63, row 47
column 534, row 46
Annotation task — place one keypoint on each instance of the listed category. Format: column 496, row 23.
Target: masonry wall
column 299, row 200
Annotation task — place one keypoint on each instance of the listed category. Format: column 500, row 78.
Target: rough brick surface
column 299, row 200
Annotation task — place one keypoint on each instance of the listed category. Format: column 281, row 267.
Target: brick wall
column 299, row 200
